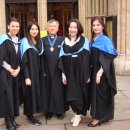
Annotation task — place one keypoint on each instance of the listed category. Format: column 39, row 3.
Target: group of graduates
column 53, row 73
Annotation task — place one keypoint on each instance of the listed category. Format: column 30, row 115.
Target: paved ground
column 120, row 122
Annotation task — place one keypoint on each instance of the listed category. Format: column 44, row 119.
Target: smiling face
column 73, row 30
column 34, row 31
column 52, row 28
column 97, row 27
column 13, row 28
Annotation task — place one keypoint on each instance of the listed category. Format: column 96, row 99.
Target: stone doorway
column 23, row 12
column 63, row 12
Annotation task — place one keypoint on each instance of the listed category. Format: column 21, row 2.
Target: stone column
column 128, row 31
column 2, row 17
column 105, row 7
column 123, row 38
column 101, row 7
column 42, row 13
column 96, row 7
column 82, row 13
column 88, row 19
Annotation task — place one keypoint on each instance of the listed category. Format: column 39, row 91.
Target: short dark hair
column 12, row 19
column 79, row 27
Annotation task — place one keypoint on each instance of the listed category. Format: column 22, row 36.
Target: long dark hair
column 27, row 34
column 101, row 21
column 79, row 27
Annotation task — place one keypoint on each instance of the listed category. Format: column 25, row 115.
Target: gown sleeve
column 24, row 66
column 85, row 68
column 61, row 66
column 6, row 65
column 3, row 82
column 107, row 62
column 1, row 55
column 25, row 72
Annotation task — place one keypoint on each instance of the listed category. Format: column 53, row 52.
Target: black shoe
column 9, row 124
column 94, row 125
column 59, row 116
column 14, row 123
column 48, row 116
column 34, row 121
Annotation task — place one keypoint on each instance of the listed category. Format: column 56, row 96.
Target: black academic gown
column 102, row 98
column 30, row 68
column 77, row 70
column 9, row 97
column 53, row 91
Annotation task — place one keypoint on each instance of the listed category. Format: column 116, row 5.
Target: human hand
column 98, row 78
column 88, row 80
column 12, row 71
column 15, row 72
column 28, row 82
column 64, row 81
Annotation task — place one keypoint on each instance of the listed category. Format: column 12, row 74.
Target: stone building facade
column 116, row 13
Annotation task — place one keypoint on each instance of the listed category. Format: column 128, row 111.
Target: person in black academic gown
column 103, row 82
column 31, row 48
column 75, row 65
column 9, row 70
column 53, row 97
